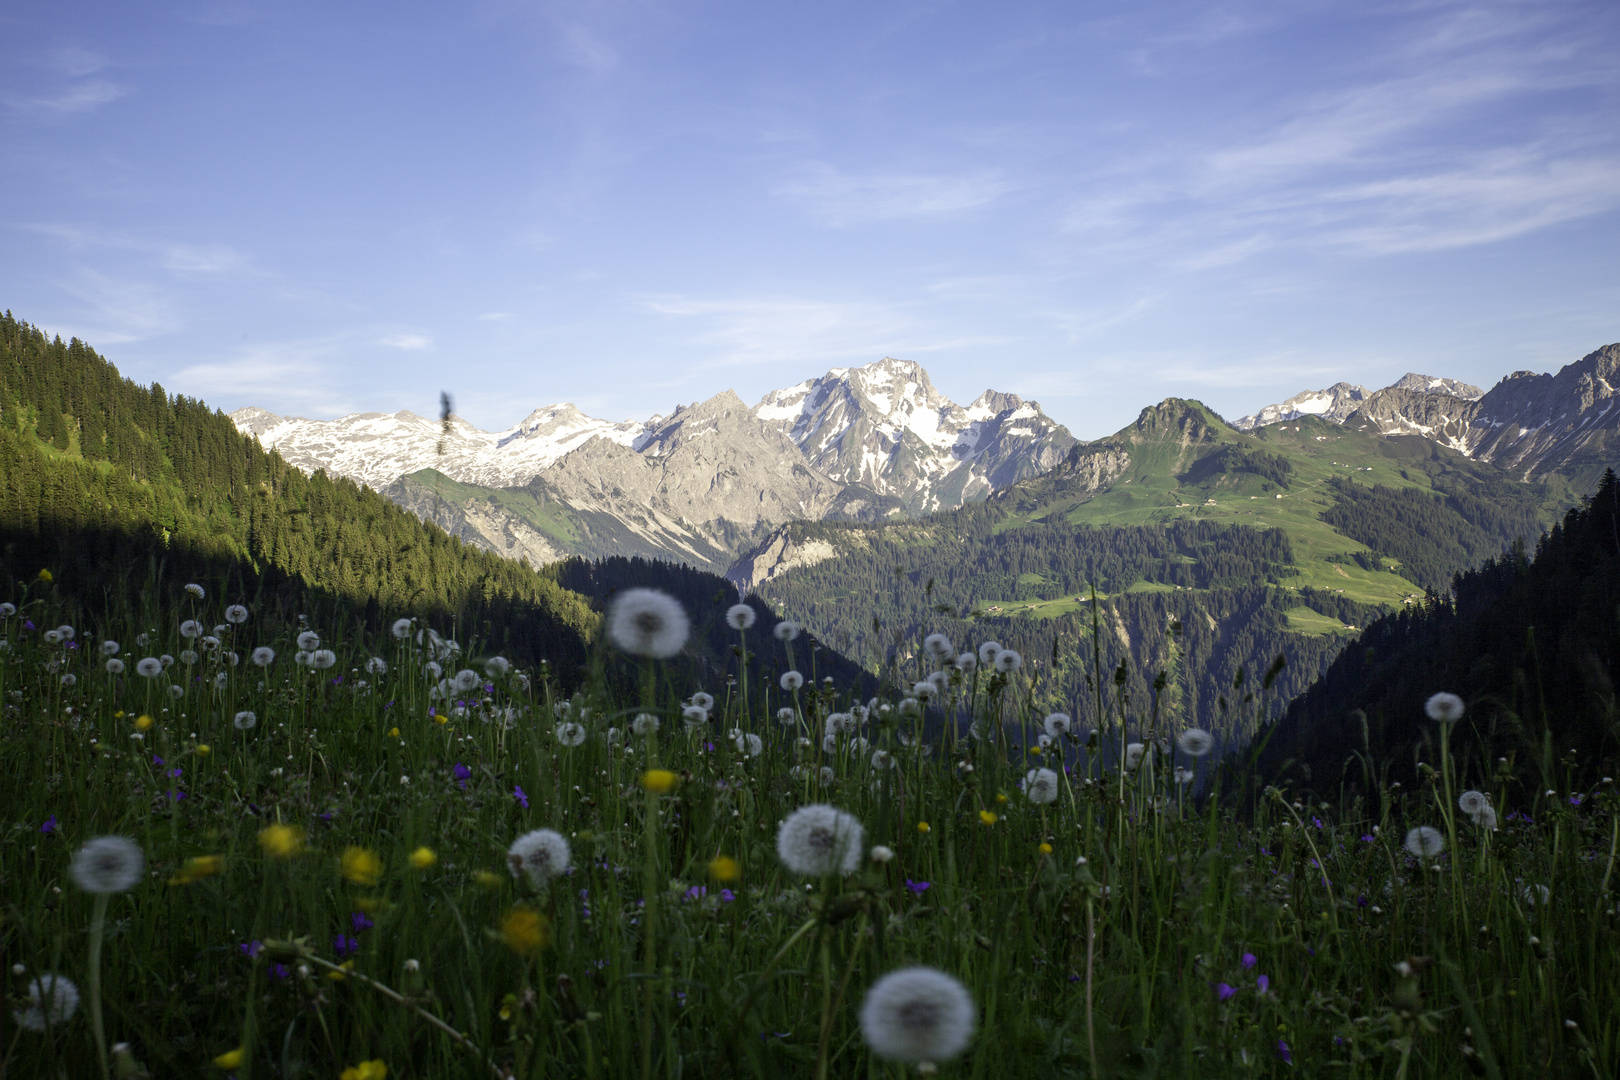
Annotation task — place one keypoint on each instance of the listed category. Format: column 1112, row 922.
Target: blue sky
column 326, row 208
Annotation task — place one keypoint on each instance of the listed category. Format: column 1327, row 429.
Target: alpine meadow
column 698, row 540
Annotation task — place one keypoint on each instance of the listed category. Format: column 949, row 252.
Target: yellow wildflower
column 198, row 867
column 724, row 868
column 229, row 1060
column 339, row 976
column 423, row 857
column 659, row 781
column 1001, row 798
column 45, row 575
column 1046, row 849
column 361, row 865
column 366, row 1070
column 144, row 723
column 987, row 817
column 441, row 718
column 393, row 733
column 922, row 827
column 203, row 749
column 119, row 715
column 525, row 932
column 488, row 879
column 282, row 841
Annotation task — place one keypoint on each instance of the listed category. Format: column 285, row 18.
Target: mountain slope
column 1339, row 401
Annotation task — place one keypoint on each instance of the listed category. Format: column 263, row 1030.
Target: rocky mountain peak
column 1430, row 384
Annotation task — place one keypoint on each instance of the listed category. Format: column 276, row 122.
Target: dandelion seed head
column 791, row 681
column 695, row 716
column 401, row 628
column 1195, row 742
column 570, row 733
column 541, row 855
column 309, row 641
column 740, row 616
column 939, row 647
column 321, row 659
column 786, row 630
column 497, row 666
column 647, row 622
column 115, row 666
column 1425, row 842
column 196, row 590
column 108, row 864
column 1008, row 661
column 818, row 839
column 988, row 652
column 1444, row 707
column 263, row 656
column 644, row 724
column 244, row 720
column 703, row 701
column 967, row 662
column 1183, row 775
column 1472, row 802
column 1041, row 786
column 1057, row 725
column 236, row 614
column 7, row 610
column 466, row 681
column 188, row 657
column 785, row 716
column 376, row 666
column 52, row 1001
column 1134, row 752
column 748, row 744
column 918, row 1014
column 109, row 647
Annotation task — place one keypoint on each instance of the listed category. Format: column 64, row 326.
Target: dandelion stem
column 1091, row 953
column 395, row 996
column 98, row 924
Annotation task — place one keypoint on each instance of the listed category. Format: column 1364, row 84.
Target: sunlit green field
column 326, row 891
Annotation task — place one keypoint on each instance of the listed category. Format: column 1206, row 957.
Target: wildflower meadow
column 246, row 847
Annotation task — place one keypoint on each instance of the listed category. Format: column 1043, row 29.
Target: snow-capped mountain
column 1340, row 400
column 885, row 428
column 696, row 486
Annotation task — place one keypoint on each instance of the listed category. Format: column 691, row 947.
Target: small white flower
column 191, row 628
column 881, row 854
column 236, row 614
column 647, row 622
column 309, row 641
column 1134, row 753
column 542, row 855
column 818, row 839
column 791, row 680
column 1057, row 725
column 1008, row 661
column 196, row 590
column 939, row 647
column 109, row 647
column 376, row 666
column 1425, row 842
column 115, row 666
column 988, row 652
column 785, row 716
column 740, row 616
column 918, row 1014
column 401, row 628
column 263, row 656
column 321, row 659
column 786, row 630
column 1195, row 742
column 748, row 744
column 570, row 733
column 702, row 700
column 645, row 724
column 1041, row 786
column 244, row 721
column 52, row 1001
column 150, row 668
column 108, row 864
column 1444, row 707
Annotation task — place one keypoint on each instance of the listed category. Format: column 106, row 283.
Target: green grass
column 649, row 969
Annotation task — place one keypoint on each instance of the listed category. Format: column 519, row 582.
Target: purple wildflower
column 50, row 825
column 1249, row 960
column 28, row 624
column 461, row 773
column 697, row 892
column 1575, row 800
column 361, row 923
column 174, row 773
column 250, row 949
column 918, row 887
column 343, row 945
column 1264, row 983
column 279, row 972
column 1225, row 992
column 517, row 793
column 1284, row 1053
column 157, row 760
column 727, row 896
column 1318, row 823
column 1366, row 839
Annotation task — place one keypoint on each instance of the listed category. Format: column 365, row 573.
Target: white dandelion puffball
column 695, row 716
column 52, row 1001
column 791, row 680
column 376, row 666
column 110, row 647
column 647, row 622
column 541, row 854
column 167, row 661
column 108, row 864
column 988, row 652
column 925, row 690
column 1444, row 707
column 1183, row 775
column 321, row 659
column 1041, row 786
column 244, row 720
column 785, row 716
column 645, row 724
column 1195, row 742
column 939, row 647
column 786, row 630
column 66, row 632
column 751, row 745
column 1008, row 661
column 221, row 680
column 1057, row 725
column 967, row 662
column 829, row 743
column 1043, row 741
column 149, row 668
column 882, row 759
column 497, row 666
column 1473, row 803
column 209, row 643
column 570, row 733
column 177, row 692
column 1536, row 895
column 827, row 775
column 196, row 590
column 263, row 656
column 188, row 657
column 115, row 666
column 841, row 723
column 1425, row 842
column 309, row 641
column 466, row 681
column 819, row 839
column 401, row 628
column 918, row 1014
column 70, row 679
column 191, row 628
column 432, row 670
column 7, row 610
column 1486, row 819
column 702, row 700
column 1134, row 753
column 740, row 616
column 236, row 614
column 53, row 637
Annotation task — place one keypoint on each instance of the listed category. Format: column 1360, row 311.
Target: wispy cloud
column 408, row 342
column 841, row 199
column 77, row 98
column 282, row 376
column 174, row 256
